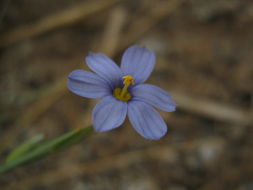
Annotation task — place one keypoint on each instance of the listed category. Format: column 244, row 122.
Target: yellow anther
column 128, row 79
column 123, row 94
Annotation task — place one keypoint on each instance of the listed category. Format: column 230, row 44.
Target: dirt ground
column 204, row 52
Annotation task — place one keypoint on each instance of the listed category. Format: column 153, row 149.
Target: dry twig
column 61, row 19
column 112, row 33
column 212, row 109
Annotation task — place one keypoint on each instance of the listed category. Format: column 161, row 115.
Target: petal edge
column 87, row 84
column 138, row 62
column 104, row 67
column 155, row 96
column 146, row 120
column 108, row 114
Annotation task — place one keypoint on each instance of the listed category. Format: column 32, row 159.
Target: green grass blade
column 24, row 148
column 58, row 144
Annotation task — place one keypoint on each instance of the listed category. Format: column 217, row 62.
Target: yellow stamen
column 123, row 94
column 128, row 79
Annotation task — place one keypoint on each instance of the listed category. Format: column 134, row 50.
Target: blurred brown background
column 204, row 59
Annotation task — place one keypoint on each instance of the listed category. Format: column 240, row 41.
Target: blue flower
column 123, row 92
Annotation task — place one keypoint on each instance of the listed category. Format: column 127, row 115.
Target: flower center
column 123, row 94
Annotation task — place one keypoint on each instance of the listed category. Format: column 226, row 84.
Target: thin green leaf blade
column 58, row 144
column 24, row 148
